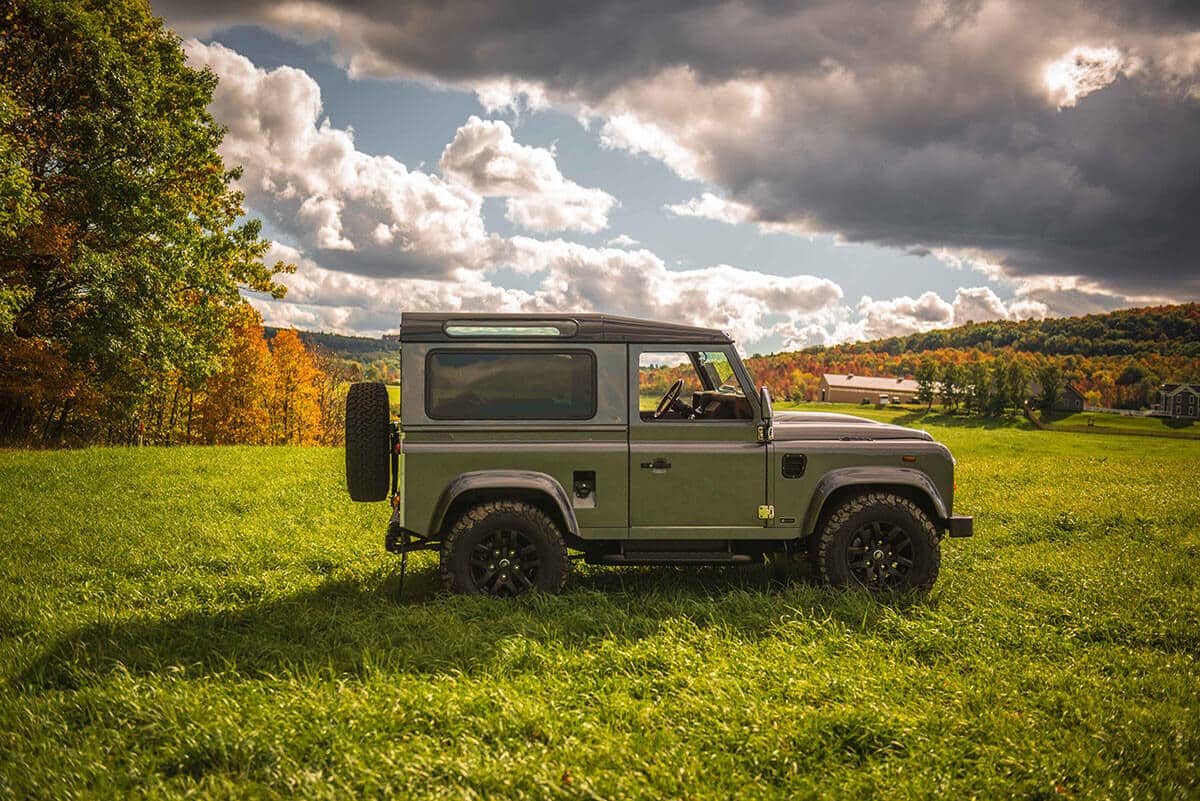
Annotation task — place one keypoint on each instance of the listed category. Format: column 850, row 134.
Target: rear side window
column 510, row 385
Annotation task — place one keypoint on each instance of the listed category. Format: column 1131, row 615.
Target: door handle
column 658, row 465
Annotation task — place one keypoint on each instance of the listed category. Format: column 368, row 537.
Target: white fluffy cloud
column 366, row 214
column 486, row 158
column 570, row 277
column 906, row 315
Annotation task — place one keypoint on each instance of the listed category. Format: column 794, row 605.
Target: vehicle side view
column 632, row 442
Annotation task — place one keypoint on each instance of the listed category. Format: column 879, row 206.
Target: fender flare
column 843, row 477
column 523, row 481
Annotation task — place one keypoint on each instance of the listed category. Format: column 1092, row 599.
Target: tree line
column 124, row 249
column 1125, row 382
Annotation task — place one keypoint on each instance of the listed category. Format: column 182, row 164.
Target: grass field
column 222, row 622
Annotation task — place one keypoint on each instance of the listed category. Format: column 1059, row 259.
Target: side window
column 476, row 384
column 709, row 390
column 656, row 373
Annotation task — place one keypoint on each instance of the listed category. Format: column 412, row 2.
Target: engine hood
column 791, row 426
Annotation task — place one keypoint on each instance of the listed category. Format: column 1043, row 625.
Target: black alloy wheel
column 504, row 562
column 877, row 540
column 504, row 548
column 881, row 556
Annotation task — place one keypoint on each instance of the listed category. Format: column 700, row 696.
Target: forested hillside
column 1156, row 330
column 365, row 358
column 1117, row 359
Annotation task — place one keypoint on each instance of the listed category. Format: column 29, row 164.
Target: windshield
column 720, row 371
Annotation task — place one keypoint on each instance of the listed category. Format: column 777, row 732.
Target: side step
column 675, row 552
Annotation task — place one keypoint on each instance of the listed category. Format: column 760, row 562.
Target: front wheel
column 879, row 541
column 504, row 548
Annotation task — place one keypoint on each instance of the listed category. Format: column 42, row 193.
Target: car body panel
column 725, row 480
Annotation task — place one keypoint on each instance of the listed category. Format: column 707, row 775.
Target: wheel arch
column 838, row 485
column 479, row 486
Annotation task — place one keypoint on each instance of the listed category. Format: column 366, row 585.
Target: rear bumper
column 960, row 526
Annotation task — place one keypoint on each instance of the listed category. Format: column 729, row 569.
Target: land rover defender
column 524, row 437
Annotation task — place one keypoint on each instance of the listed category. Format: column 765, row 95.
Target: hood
column 791, row 426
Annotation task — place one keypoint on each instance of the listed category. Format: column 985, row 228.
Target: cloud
column 932, row 125
column 710, row 207
column 360, row 213
column 1085, row 70
column 569, row 277
column 906, row 315
column 485, row 158
column 622, row 241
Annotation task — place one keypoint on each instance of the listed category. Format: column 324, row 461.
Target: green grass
column 222, row 623
column 1106, row 422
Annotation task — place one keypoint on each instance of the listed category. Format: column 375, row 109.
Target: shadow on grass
column 348, row 627
column 917, row 418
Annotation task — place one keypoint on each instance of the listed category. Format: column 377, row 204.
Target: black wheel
column 879, row 541
column 504, row 548
column 368, row 436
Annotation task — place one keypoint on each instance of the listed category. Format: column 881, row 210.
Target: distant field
column 222, row 623
column 1106, row 420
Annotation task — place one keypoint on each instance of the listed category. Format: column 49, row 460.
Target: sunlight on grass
column 222, row 622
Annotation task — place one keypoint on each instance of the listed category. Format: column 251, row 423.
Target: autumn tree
column 122, row 242
column 236, row 403
column 295, row 392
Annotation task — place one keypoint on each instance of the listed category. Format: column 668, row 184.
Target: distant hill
column 1118, row 359
column 358, row 358
column 1161, row 330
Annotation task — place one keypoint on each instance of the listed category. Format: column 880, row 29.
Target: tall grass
column 222, row 622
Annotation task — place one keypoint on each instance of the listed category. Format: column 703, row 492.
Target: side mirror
column 764, row 401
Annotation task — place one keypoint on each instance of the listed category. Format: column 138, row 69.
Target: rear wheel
column 504, row 548
column 368, row 436
column 879, row 541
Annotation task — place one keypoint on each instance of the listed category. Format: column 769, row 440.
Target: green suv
column 523, row 437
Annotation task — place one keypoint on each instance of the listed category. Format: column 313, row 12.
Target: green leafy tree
column 951, row 385
column 122, row 247
column 926, row 383
column 1016, row 386
column 979, row 389
column 1050, row 378
column 997, row 402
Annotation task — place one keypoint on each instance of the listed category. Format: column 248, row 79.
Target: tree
column 236, row 407
column 979, row 393
column 1050, row 378
column 926, row 383
column 951, row 385
column 997, row 402
column 121, row 245
column 1016, row 386
column 295, row 395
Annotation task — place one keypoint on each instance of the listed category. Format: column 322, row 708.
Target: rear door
column 689, row 478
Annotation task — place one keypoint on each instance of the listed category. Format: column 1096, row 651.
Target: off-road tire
column 490, row 520
column 368, row 437
column 839, row 539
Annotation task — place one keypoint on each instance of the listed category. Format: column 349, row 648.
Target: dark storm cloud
column 925, row 124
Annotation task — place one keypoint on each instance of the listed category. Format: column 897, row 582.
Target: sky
column 795, row 174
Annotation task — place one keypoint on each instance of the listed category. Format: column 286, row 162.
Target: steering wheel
column 669, row 399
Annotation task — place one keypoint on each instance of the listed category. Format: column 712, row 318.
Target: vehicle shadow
column 350, row 627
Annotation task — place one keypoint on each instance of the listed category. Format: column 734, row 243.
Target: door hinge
column 766, row 513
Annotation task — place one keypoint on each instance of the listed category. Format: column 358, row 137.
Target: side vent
column 794, row 465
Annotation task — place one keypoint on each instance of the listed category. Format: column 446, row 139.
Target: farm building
column 1179, row 400
column 853, row 388
column 1070, row 400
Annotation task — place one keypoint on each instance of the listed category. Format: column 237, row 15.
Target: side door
column 689, row 478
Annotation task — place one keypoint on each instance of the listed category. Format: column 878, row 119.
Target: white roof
column 870, row 383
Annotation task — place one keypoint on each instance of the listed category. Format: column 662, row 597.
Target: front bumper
column 960, row 526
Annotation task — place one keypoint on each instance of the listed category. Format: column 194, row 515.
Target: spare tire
column 368, row 439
